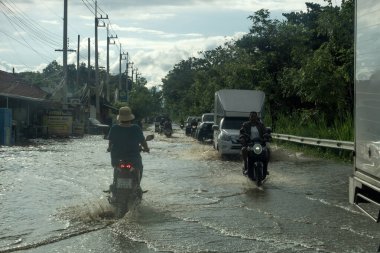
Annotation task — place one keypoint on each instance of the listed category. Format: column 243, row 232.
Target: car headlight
column 225, row 137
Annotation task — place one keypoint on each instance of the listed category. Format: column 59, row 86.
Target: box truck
column 364, row 184
column 231, row 109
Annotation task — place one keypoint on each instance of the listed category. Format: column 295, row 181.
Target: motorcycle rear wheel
column 121, row 209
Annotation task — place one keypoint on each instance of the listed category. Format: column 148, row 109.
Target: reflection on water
column 52, row 200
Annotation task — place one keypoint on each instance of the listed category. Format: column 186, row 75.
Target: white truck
column 364, row 184
column 231, row 109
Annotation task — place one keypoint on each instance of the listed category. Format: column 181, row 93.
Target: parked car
column 207, row 117
column 227, row 140
column 95, row 127
column 204, row 129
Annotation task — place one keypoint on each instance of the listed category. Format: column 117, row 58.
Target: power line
column 20, row 23
column 27, row 24
column 26, row 44
column 89, row 7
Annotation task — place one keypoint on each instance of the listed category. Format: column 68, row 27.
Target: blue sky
column 156, row 33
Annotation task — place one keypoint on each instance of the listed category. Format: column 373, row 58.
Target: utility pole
column 78, row 60
column 121, row 58
column 126, row 73
column 89, row 86
column 64, row 89
column 88, row 61
column 126, row 77
column 65, row 53
column 97, row 86
column 108, row 62
column 136, row 75
column 121, row 90
column 132, row 73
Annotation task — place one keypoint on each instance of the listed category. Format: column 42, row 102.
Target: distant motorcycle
column 125, row 192
column 258, row 154
column 167, row 129
column 193, row 130
column 168, row 132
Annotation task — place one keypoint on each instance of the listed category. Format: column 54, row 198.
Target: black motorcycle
column 125, row 192
column 258, row 156
column 167, row 129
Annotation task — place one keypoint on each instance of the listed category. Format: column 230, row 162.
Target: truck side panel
column 367, row 89
column 364, row 184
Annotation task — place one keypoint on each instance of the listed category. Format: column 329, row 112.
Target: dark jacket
column 245, row 131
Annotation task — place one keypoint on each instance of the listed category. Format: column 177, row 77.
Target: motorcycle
column 168, row 130
column 258, row 155
column 193, row 130
column 125, row 192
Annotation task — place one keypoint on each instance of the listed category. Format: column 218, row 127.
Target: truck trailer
column 364, row 184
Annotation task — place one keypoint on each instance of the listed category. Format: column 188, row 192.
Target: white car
column 226, row 135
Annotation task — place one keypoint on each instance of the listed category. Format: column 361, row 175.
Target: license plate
column 124, row 183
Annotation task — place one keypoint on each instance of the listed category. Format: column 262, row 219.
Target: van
column 226, row 135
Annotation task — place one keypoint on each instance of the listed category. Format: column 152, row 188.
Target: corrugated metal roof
column 11, row 86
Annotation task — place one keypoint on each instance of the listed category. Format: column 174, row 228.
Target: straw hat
column 125, row 114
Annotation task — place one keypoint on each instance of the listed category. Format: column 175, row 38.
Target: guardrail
column 345, row 145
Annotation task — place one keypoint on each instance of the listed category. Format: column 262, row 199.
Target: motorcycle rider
column 125, row 139
column 251, row 129
column 194, row 125
column 168, row 125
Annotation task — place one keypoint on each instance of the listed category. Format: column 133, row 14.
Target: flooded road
column 52, row 200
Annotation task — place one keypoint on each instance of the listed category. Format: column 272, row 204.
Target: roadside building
column 27, row 103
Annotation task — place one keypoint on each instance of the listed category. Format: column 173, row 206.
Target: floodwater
column 52, row 200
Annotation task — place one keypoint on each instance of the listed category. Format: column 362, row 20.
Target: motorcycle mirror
column 149, row 137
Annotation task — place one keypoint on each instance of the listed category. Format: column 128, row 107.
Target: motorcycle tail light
column 127, row 166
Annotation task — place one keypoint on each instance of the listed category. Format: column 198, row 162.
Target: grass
column 337, row 155
column 309, row 124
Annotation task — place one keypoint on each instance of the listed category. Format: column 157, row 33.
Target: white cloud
column 152, row 16
column 157, row 34
column 155, row 58
column 51, row 22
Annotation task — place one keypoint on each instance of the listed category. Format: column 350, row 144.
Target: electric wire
column 16, row 53
column 25, row 43
column 22, row 23
column 27, row 24
column 89, row 7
